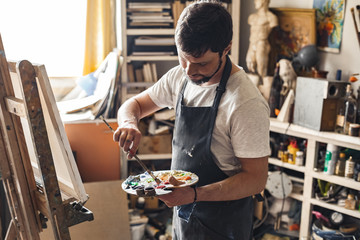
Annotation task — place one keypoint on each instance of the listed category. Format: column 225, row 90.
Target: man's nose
column 191, row 69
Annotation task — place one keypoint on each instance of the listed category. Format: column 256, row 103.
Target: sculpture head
column 288, row 75
column 261, row 3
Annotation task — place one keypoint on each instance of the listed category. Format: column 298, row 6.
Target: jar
column 350, row 202
column 354, row 129
column 349, row 168
column 299, row 161
column 340, row 165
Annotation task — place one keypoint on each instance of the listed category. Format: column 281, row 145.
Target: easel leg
column 11, row 232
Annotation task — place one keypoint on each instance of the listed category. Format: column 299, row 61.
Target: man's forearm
column 243, row 184
column 129, row 112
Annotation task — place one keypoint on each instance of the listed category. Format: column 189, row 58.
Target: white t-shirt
column 242, row 123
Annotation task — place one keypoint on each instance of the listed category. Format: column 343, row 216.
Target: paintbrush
column 135, row 156
column 355, row 24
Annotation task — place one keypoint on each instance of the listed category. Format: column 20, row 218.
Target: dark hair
column 203, row 26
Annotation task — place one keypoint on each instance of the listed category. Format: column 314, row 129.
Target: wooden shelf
column 279, row 163
column 313, row 138
column 150, row 31
column 151, row 58
column 334, row 207
column 325, row 137
column 296, row 196
column 346, row 182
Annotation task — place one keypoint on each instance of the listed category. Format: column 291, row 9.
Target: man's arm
column 129, row 114
column 250, row 181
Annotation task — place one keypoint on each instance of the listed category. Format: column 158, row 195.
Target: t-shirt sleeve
column 250, row 129
column 164, row 92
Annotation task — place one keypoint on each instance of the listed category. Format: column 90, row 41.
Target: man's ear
column 227, row 49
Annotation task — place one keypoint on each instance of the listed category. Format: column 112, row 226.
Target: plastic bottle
column 285, row 157
column 340, row 165
column 330, row 159
column 292, row 149
column 299, row 161
column 281, row 150
column 349, row 168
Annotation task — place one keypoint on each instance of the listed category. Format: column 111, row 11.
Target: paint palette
column 144, row 185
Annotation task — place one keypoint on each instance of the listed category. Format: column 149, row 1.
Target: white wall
column 348, row 60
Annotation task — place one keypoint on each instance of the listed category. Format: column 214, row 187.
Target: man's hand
column 128, row 135
column 179, row 196
column 131, row 111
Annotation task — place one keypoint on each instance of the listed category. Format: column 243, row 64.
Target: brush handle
column 146, row 169
column 355, row 24
column 135, row 156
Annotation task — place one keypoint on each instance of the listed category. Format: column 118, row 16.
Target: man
column 221, row 129
column 261, row 23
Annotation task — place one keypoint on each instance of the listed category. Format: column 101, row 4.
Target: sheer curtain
column 100, row 33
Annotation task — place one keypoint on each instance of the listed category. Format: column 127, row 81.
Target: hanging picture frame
column 296, row 29
column 330, row 23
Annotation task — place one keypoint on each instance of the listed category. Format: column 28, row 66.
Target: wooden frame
column 297, row 28
column 39, row 173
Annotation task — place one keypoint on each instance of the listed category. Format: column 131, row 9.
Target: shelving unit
column 129, row 33
column 314, row 138
column 133, row 32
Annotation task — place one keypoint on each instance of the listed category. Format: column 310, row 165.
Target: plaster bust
column 261, row 23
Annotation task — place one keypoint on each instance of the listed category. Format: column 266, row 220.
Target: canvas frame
column 296, row 29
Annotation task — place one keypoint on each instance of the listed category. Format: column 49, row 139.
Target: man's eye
column 202, row 64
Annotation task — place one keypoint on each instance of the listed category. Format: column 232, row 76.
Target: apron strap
column 222, row 85
column 219, row 92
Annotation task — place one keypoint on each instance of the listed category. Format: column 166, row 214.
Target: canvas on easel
column 38, row 169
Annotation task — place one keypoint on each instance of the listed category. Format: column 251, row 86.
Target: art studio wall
column 347, row 60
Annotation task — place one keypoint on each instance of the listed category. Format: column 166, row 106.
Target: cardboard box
column 316, row 102
column 155, row 144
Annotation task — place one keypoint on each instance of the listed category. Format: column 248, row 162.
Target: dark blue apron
column 191, row 152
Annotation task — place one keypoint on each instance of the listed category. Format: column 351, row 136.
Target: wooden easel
column 35, row 190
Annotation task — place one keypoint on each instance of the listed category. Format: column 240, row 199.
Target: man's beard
column 205, row 79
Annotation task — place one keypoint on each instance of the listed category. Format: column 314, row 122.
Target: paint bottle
column 350, row 202
column 299, row 161
column 330, row 159
column 292, row 149
column 281, row 150
column 340, row 165
column 285, row 157
column 349, row 168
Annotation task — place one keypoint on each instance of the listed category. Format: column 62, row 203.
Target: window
column 48, row 32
